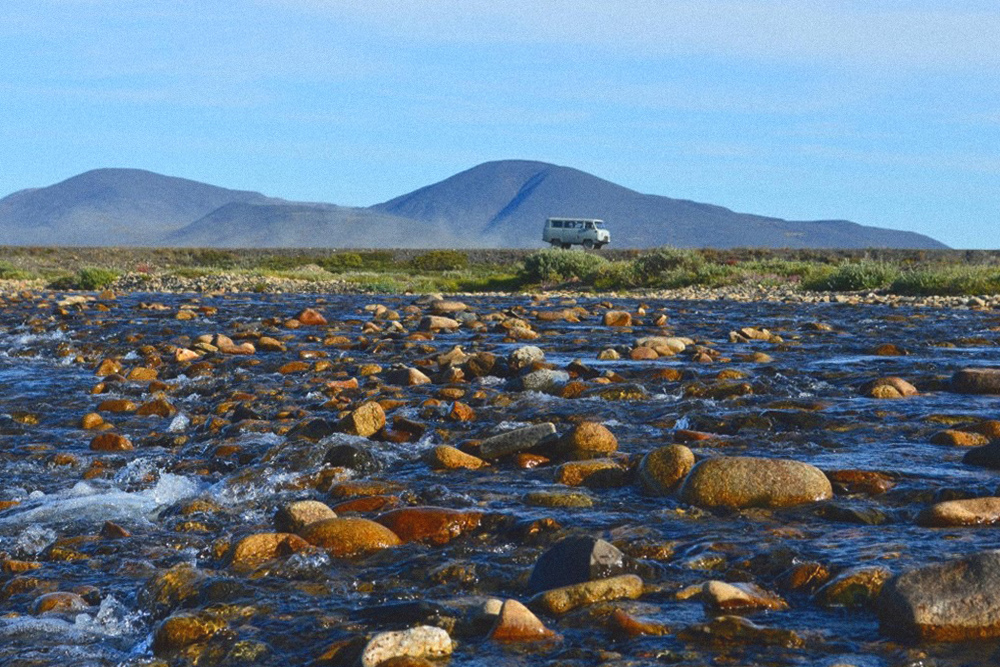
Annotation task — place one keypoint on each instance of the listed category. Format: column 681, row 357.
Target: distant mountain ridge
column 495, row 204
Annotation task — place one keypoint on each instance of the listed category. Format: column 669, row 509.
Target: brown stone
column 889, row 387
column 91, row 420
column 159, row 407
column 349, row 536
column 108, row 367
column 558, row 601
column 311, row 317
column 295, row 516
column 643, row 354
column 117, row 405
column 595, row 473
column 617, row 318
column 365, row 421
column 182, row 630
column 58, row 601
column 431, row 525
column 856, row 587
column 293, row 367
column 664, row 468
column 589, row 437
column 743, row 481
column 868, row 482
column 968, row 512
column 254, row 550
column 460, row 412
column 956, row 438
column 976, row 381
column 516, row 623
column 142, row 374
column 448, row 457
column 724, row 597
column 111, row 442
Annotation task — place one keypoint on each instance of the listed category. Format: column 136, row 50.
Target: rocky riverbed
column 231, row 478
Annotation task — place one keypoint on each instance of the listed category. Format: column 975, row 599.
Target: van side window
column 557, row 224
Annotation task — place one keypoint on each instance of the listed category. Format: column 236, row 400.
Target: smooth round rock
column 432, row 525
column 517, row 623
column 664, row 468
column 295, row 516
column 349, row 536
column 968, row 512
column 254, row 550
column 744, row 481
column 589, row 437
column 423, row 641
column 559, row 601
column 976, row 381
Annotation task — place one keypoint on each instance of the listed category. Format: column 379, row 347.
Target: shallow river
column 199, row 478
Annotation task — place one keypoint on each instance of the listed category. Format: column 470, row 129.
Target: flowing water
column 804, row 405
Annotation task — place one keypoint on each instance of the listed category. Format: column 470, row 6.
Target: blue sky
column 885, row 112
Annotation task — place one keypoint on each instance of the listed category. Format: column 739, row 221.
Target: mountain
column 505, row 203
column 496, row 204
column 110, row 207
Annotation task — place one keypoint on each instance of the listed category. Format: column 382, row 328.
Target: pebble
column 721, row 596
column 349, row 536
column 516, row 440
column 517, row 623
column 559, row 601
column 953, row 513
column 662, row 470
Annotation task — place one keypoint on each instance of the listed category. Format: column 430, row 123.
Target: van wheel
column 588, row 244
column 567, row 246
column 555, row 244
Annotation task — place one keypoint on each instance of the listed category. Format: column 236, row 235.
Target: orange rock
column 349, row 536
column 311, row 317
column 184, row 354
column 366, row 420
column 460, row 412
column 294, row 367
column 254, row 550
column 433, row 525
column 448, row 457
column 59, row 601
column 117, row 405
column 516, row 623
column 159, row 407
column 108, row 367
column 590, row 437
column 957, row 438
column 643, row 354
column 91, row 420
column 597, row 473
column 295, row 516
column 367, row 504
column 111, row 442
column 617, row 318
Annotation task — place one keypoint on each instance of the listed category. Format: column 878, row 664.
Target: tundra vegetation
column 913, row 273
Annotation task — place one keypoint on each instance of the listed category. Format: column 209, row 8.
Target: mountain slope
column 109, row 207
column 506, row 202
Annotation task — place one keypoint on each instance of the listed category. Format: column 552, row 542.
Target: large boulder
column 664, row 468
column 967, row 512
column 743, row 481
column 956, row 600
column 976, row 381
column 518, row 440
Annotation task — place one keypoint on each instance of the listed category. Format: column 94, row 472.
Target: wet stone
column 558, row 601
column 353, row 457
column 976, row 381
column 423, row 641
column 517, row 440
column 574, row 560
column 953, row 513
column 349, row 536
column 740, row 481
column 664, row 468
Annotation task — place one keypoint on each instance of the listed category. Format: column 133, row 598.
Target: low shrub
column 649, row 267
column 341, row 261
column 561, row 265
column 10, row 272
column 284, row 262
column 863, row 275
column 210, row 257
column 89, row 279
column 440, row 260
column 948, row 281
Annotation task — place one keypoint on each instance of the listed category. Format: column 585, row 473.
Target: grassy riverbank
column 914, row 273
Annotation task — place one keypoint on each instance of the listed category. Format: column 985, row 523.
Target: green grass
column 948, row 281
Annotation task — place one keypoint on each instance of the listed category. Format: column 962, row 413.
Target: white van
column 565, row 232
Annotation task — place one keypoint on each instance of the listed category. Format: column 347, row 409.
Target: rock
column 91, row 421
column 888, row 387
column 665, row 346
column 742, row 481
column 976, row 381
column 725, row 597
column 431, row 525
column 516, row 623
column 111, row 442
column 617, row 318
column 58, row 602
column 868, row 482
column 313, row 429
column 407, row 377
column 182, row 630
column 437, row 323
column 594, row 473
column 558, row 601
column 955, row 438
column 856, row 587
column 295, row 516
column 969, row 512
column 557, row 499
column 117, row 405
column 609, row 354
column 589, row 437
column 353, row 457
column 574, row 560
column 956, row 600
column 445, row 307
column 525, row 356
column 254, row 550
column 311, row 317
column 516, row 440
column 643, row 354
column 158, row 407
column 423, row 641
column 987, row 456
column 735, row 630
column 622, row 391
column 349, row 536
column 365, row 420
column 543, row 380
column 448, row 457
column 664, row 468
column 108, row 367
column 167, row 590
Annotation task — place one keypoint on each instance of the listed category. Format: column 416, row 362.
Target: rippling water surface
column 804, row 405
